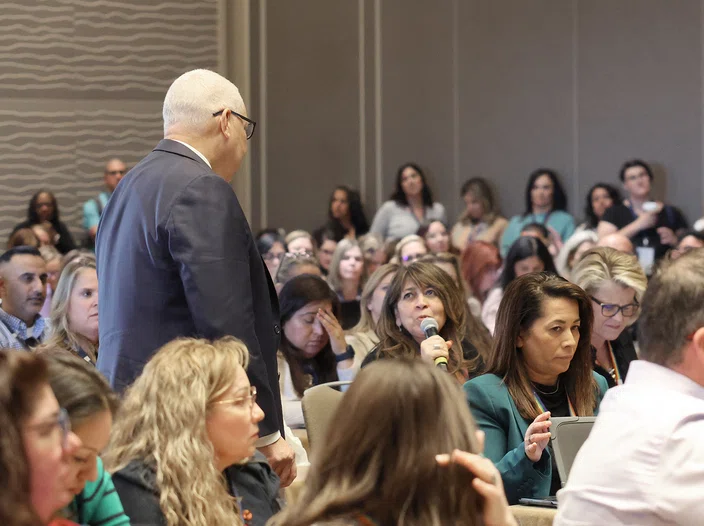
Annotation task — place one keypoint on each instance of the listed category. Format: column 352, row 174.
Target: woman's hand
column 334, row 330
column 538, row 436
column 487, row 483
column 435, row 347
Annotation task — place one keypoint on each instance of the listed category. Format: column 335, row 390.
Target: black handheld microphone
column 430, row 327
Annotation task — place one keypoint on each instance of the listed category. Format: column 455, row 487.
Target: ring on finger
column 437, row 347
column 495, row 479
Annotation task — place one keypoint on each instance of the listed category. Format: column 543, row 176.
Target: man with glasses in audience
column 176, row 256
column 652, row 226
column 643, row 462
column 23, row 291
column 115, row 170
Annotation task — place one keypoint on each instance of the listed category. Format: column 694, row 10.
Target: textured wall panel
column 82, row 81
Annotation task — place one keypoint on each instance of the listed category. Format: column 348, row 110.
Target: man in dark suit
column 176, row 257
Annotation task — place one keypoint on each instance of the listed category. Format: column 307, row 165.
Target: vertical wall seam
column 575, row 104
column 455, row 100
column 362, row 105
column 377, row 102
column 263, row 176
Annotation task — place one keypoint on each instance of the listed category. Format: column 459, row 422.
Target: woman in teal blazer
column 540, row 367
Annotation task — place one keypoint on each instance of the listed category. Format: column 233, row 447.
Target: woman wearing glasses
column 36, row 446
column 190, row 415
column 410, row 249
column 272, row 247
column 615, row 282
column 91, row 406
column 652, row 226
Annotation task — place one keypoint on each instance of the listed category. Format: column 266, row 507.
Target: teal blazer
column 497, row 415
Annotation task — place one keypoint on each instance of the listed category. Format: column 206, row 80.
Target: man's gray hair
column 673, row 308
column 193, row 98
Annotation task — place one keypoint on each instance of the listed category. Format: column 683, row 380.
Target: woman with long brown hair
column 541, row 367
column 419, row 291
column 477, row 333
column 313, row 348
column 480, row 221
column 36, row 443
column 379, row 463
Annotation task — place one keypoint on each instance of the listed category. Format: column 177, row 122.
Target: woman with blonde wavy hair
column 189, row 416
column 402, row 448
column 74, row 311
column 362, row 337
column 615, row 283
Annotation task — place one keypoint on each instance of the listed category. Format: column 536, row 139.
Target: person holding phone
column 651, row 225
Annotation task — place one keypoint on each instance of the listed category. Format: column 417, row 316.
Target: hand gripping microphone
column 430, row 327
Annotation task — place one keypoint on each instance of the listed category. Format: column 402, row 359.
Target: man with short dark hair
column 651, row 226
column 643, row 462
column 23, row 291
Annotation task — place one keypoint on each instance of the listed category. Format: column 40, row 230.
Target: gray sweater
column 396, row 221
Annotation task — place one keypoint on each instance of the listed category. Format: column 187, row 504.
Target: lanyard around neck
column 544, row 409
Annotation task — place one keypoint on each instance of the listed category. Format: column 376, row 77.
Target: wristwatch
column 347, row 355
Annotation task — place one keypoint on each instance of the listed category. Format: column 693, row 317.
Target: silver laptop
column 568, row 435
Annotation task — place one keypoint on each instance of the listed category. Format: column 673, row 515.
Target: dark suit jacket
column 176, row 257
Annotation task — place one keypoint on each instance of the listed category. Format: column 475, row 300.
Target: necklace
column 557, row 388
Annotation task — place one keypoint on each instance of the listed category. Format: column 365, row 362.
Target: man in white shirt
column 643, row 463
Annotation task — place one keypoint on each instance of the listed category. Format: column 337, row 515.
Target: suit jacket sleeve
column 210, row 240
column 521, row 477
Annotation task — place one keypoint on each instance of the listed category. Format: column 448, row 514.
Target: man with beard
column 23, row 278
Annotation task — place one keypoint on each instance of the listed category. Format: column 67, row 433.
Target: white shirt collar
column 642, row 372
column 205, row 160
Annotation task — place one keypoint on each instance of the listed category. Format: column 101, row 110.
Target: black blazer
column 66, row 243
column 624, row 352
column 176, row 257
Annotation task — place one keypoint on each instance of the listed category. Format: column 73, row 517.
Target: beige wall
column 467, row 87
column 81, row 81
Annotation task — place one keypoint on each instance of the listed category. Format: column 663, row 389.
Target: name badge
column 646, row 258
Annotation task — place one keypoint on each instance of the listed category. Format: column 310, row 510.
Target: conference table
column 533, row 515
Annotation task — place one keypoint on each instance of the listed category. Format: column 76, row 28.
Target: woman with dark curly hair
column 43, row 207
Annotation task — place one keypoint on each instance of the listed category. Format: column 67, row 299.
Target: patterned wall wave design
column 82, row 81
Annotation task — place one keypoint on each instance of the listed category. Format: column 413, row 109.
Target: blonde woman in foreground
column 189, row 416
column 407, row 424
